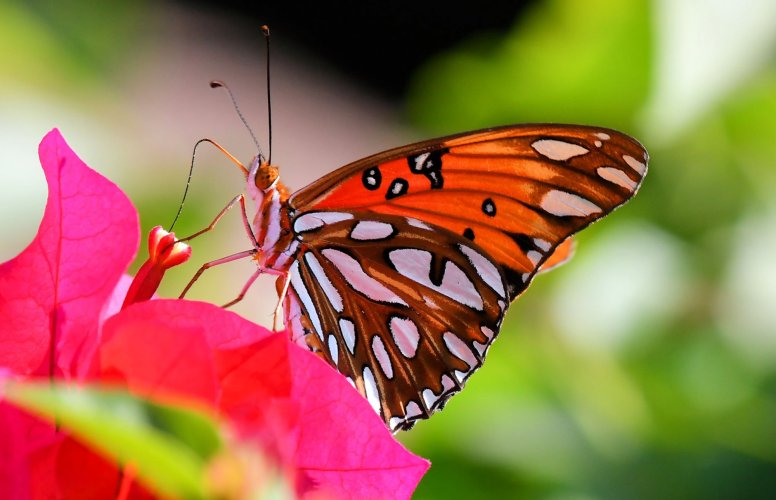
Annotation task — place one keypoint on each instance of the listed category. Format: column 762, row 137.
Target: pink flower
column 163, row 253
column 59, row 302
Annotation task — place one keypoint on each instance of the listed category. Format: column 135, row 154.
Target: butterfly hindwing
column 407, row 260
column 406, row 311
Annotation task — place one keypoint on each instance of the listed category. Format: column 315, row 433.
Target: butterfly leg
column 239, row 198
column 217, row 262
column 244, row 290
column 281, row 298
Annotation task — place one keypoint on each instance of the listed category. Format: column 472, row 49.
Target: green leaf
column 568, row 61
column 169, row 446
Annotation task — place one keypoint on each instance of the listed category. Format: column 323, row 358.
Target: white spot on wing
column 429, row 398
column 370, row 387
column 368, row 230
column 416, row 265
column 533, row 256
column 328, row 289
column 558, row 150
column 304, row 296
column 405, row 334
column 394, row 422
column 561, row 203
column 541, row 244
column 333, row 349
column 314, row 220
column 416, row 223
column 487, row 332
column 598, row 144
column 420, row 159
column 381, row 354
column 603, row 135
column 460, row 376
column 412, row 410
column 616, row 176
column 357, row 278
column 348, row 330
column 635, row 164
column 485, row 268
column 459, row 349
column 447, row 384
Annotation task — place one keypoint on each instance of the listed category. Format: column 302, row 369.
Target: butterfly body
column 397, row 269
column 271, row 225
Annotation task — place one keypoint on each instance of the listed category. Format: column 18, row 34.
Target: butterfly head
column 264, row 180
column 266, row 177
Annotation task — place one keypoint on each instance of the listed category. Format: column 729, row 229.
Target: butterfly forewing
column 517, row 191
column 407, row 259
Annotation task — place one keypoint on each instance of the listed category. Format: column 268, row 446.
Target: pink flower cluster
column 61, row 319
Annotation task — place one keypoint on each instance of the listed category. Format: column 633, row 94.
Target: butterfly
column 397, row 269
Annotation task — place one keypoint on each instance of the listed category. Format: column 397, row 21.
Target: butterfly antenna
column 215, row 84
column 191, row 172
column 265, row 31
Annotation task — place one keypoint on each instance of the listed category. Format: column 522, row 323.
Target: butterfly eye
column 266, row 176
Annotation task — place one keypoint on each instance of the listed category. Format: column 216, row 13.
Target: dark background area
column 380, row 44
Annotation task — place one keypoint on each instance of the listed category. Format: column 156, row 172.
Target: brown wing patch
column 407, row 320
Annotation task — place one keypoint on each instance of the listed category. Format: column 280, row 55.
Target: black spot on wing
column 489, row 207
column 397, row 188
column 435, row 177
column 437, row 271
column 525, row 243
column 429, row 164
column 371, row 178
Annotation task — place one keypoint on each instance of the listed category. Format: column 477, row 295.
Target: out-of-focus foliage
column 169, row 446
column 591, row 57
column 646, row 367
column 71, row 44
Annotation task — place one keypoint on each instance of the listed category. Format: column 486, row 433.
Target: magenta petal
column 222, row 329
column 51, row 294
column 167, row 347
column 345, row 450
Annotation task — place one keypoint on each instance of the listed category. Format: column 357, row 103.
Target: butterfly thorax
column 271, row 225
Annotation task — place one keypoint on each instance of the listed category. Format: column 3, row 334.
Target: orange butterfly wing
column 516, row 191
column 408, row 259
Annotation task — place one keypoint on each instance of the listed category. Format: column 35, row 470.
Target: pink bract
column 52, row 294
column 58, row 319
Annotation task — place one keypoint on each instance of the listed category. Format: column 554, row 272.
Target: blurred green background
column 645, row 368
